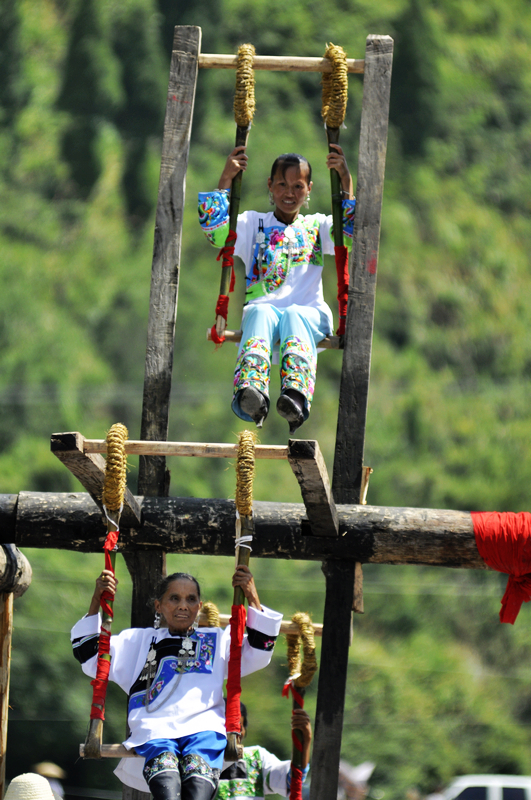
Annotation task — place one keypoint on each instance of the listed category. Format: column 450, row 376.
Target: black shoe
column 291, row 409
column 254, row 404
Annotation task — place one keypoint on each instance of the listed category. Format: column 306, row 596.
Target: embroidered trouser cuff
column 163, row 777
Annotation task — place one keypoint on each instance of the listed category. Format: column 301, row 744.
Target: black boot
column 254, row 404
column 290, row 405
column 163, row 776
column 197, row 788
column 166, row 786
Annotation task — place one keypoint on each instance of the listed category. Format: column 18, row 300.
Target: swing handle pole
column 234, row 749
column 94, row 738
column 332, row 135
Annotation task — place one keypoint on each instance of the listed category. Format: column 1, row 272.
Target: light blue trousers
column 297, row 329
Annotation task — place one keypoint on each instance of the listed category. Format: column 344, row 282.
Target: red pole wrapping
column 222, row 306
column 295, row 792
column 234, row 689
column 101, row 681
column 341, row 256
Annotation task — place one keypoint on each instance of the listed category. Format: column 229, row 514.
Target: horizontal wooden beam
column 286, row 626
column 368, row 534
column 309, row 467
column 328, row 343
column 190, row 449
column 89, row 469
column 279, row 63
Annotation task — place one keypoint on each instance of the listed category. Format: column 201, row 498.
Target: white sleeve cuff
column 266, row 621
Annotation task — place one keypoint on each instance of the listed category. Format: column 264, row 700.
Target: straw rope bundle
column 115, row 468
column 244, row 102
column 302, row 673
column 211, row 612
column 245, row 473
column 335, row 87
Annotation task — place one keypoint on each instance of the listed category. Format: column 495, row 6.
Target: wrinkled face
column 180, row 605
column 290, row 191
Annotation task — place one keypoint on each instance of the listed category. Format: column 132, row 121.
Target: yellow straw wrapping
column 335, row 87
column 245, row 473
column 244, row 103
column 308, row 668
column 115, row 468
column 211, row 612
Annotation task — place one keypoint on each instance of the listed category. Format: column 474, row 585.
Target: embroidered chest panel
column 171, row 657
column 278, row 250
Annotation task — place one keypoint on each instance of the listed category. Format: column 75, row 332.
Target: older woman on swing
column 173, row 674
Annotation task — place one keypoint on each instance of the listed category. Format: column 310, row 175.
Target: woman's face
column 179, row 605
column 289, row 191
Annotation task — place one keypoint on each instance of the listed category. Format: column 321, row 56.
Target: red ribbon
column 234, row 688
column 504, row 543
column 222, row 310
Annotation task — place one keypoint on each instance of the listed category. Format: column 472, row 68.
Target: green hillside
column 437, row 686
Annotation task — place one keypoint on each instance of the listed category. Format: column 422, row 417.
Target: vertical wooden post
column 6, row 632
column 350, row 439
column 154, row 480
column 354, row 388
column 332, row 679
column 167, row 251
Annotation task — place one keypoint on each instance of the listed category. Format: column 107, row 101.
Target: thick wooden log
column 309, row 467
column 369, row 534
column 278, row 63
column 6, row 633
column 89, row 469
column 328, row 343
column 354, row 387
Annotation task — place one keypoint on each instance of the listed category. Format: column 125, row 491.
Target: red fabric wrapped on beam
column 504, row 543
column 234, row 688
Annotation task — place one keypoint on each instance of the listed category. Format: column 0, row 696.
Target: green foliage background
column 437, row 687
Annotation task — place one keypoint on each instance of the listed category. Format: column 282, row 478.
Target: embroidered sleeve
column 213, row 210
column 349, row 207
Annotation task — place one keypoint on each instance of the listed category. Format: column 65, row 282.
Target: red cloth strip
column 504, row 543
column 227, row 255
column 101, row 681
column 295, row 792
column 222, row 310
column 99, row 684
column 289, row 687
column 234, row 688
column 341, row 256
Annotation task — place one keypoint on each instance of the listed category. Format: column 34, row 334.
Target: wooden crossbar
column 191, row 449
column 235, row 337
column 279, row 63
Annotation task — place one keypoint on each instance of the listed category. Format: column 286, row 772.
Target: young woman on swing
column 174, row 679
column 283, row 255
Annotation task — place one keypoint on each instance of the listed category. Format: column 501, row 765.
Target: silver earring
column 306, row 203
column 156, row 621
column 271, row 201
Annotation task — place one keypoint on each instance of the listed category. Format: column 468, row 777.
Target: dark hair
column 162, row 585
column 286, row 160
column 243, row 711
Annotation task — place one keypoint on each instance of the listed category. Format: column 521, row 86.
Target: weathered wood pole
column 153, row 480
column 350, row 438
column 15, row 577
